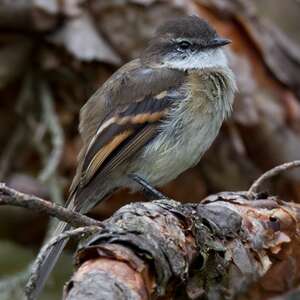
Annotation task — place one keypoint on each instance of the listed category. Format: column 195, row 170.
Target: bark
column 229, row 246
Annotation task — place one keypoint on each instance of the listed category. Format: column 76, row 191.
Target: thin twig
column 271, row 173
column 10, row 196
column 35, row 270
column 57, row 136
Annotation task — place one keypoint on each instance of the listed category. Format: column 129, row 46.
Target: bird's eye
column 184, row 45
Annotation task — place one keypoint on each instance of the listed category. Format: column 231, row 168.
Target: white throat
column 213, row 58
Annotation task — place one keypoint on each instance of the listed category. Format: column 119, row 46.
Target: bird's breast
column 191, row 126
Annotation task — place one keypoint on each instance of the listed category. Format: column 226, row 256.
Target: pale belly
column 178, row 147
column 187, row 133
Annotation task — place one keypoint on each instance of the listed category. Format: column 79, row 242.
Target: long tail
column 51, row 258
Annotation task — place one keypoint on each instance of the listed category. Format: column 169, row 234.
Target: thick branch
column 10, row 196
column 229, row 242
column 226, row 243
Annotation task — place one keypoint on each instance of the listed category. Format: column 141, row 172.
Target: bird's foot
column 150, row 192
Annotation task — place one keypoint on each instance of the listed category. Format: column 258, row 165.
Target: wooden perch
column 225, row 247
column 232, row 245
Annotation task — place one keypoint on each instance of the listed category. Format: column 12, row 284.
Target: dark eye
column 184, row 45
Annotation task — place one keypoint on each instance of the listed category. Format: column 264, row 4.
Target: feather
column 131, row 84
column 120, row 137
column 115, row 123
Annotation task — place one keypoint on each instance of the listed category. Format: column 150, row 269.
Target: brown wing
column 122, row 134
column 131, row 84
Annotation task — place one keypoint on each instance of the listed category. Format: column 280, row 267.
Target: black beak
column 219, row 42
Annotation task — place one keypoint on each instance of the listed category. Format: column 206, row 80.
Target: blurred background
column 55, row 54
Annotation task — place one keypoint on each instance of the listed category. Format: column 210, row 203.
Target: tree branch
column 228, row 243
column 10, row 196
column 271, row 173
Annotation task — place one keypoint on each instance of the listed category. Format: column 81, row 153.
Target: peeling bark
column 226, row 247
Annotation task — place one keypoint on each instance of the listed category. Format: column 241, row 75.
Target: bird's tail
column 51, row 258
column 55, row 252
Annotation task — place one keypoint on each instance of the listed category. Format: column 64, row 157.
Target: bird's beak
column 219, row 42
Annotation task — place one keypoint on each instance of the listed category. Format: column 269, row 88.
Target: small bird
column 152, row 119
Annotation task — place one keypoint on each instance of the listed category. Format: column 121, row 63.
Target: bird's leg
column 150, row 192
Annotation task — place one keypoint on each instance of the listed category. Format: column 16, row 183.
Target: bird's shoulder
column 129, row 84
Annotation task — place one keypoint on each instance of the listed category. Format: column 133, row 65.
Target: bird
column 152, row 119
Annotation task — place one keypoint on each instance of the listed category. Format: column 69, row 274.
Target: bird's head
column 186, row 43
